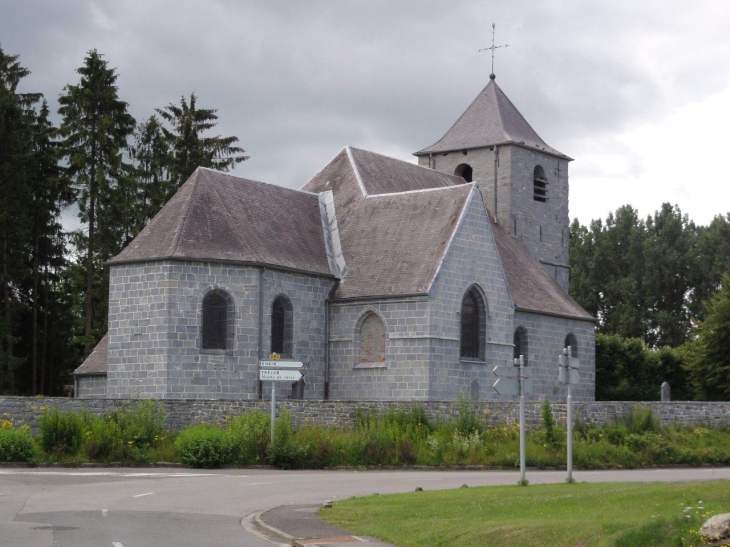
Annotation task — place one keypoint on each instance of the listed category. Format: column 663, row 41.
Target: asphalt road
column 180, row 508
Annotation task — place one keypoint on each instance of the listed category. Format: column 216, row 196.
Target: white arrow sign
column 281, row 364
column 274, row 375
column 507, row 386
column 508, row 371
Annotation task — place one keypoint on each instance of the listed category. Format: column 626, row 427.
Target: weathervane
column 492, row 48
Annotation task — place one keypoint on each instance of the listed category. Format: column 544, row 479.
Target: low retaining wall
column 28, row 410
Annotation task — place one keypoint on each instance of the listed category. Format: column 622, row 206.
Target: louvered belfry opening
column 281, row 326
column 465, row 171
column 520, row 343
column 473, row 323
column 215, row 321
column 572, row 342
column 540, row 185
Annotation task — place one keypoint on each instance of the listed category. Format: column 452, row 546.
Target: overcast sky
column 638, row 92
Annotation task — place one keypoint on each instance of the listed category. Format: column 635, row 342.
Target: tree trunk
column 36, row 267
column 44, row 346
column 90, row 257
column 8, row 342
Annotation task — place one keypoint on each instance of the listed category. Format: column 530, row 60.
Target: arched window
column 464, row 171
column 540, row 185
column 474, row 390
column 571, row 341
column 520, row 343
column 282, row 326
column 217, row 324
column 372, row 339
column 473, row 325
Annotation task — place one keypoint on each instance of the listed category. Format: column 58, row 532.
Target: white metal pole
column 273, row 410
column 522, row 420
column 570, row 431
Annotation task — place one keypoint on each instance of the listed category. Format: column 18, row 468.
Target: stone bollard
column 665, row 392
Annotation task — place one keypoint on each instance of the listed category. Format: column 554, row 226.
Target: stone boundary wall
column 28, row 410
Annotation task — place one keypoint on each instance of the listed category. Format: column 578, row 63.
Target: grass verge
column 586, row 514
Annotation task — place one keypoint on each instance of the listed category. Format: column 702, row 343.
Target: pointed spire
column 490, row 119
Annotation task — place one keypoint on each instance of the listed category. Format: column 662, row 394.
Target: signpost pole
column 521, row 362
column 570, row 419
column 273, row 410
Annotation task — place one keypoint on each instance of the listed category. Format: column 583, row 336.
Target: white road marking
column 114, row 474
column 104, row 512
column 116, row 544
column 146, row 494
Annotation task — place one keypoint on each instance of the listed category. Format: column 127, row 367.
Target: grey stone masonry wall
column 91, row 387
column 155, row 342
column 471, row 259
column 28, row 410
column 541, row 226
column 404, row 374
column 139, row 331
column 545, row 340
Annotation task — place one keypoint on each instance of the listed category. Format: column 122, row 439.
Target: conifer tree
column 95, row 128
column 189, row 148
column 15, row 164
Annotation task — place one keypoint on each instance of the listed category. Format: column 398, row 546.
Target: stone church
column 388, row 280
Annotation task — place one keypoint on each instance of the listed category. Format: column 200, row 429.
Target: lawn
column 586, row 514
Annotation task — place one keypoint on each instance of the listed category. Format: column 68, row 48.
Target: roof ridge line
column 185, row 215
column 438, row 188
column 356, row 170
column 403, row 161
column 257, row 181
column 233, row 224
column 462, row 214
column 457, row 119
column 524, row 120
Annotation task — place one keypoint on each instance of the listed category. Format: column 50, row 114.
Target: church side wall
column 155, row 330
column 471, row 258
column 138, row 330
column 404, row 374
column 545, row 341
column 533, row 216
column 307, row 295
column 91, row 386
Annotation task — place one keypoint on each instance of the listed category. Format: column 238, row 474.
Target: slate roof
column 532, row 287
column 396, row 227
column 383, row 175
column 95, row 363
column 490, row 119
column 221, row 217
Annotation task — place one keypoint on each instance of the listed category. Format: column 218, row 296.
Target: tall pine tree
column 190, row 149
column 95, row 128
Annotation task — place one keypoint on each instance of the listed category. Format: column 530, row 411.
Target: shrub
column 61, row 432
column 467, row 421
column 250, row 433
column 284, row 455
column 103, row 438
column 16, row 445
column 141, row 426
column 548, row 424
column 642, row 419
column 204, row 446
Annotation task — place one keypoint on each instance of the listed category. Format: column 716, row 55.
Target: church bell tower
column 524, row 181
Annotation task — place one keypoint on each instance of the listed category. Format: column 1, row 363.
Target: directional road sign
column 275, row 375
column 507, row 386
column 508, row 371
column 280, row 364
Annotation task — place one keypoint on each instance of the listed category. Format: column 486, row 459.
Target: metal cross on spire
column 492, row 48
